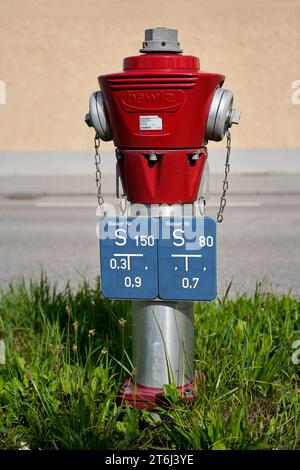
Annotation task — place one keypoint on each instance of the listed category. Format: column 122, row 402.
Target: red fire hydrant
column 161, row 111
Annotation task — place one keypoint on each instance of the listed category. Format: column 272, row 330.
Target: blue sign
column 187, row 258
column 165, row 258
column 128, row 253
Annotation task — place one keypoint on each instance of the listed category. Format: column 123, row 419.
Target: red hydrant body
column 157, row 110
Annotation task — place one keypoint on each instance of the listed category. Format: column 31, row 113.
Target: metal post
column 163, row 332
column 163, row 342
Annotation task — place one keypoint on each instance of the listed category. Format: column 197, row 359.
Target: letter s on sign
column 178, row 237
column 122, row 239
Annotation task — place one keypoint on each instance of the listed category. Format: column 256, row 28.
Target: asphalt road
column 259, row 239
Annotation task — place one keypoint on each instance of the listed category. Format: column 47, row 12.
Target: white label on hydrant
column 150, row 123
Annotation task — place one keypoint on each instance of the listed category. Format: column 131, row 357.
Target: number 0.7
column 187, row 283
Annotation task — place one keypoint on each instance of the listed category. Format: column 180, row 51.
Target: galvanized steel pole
column 163, row 332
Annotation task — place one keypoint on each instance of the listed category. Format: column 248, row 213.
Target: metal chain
column 100, row 198
column 99, row 175
column 223, row 201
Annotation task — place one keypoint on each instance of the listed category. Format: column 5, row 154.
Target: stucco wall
column 52, row 51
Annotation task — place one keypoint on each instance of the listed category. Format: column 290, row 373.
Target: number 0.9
column 129, row 282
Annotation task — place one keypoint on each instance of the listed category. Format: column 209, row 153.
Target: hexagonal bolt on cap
column 235, row 117
column 161, row 40
column 88, row 120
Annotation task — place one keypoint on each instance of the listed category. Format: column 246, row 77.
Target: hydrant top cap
column 161, row 40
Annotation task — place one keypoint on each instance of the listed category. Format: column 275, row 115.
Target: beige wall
column 51, row 52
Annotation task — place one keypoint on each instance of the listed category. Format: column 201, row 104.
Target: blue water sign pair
column 168, row 258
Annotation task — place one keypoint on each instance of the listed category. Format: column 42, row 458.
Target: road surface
column 259, row 239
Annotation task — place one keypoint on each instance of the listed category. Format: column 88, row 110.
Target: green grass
column 59, row 385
